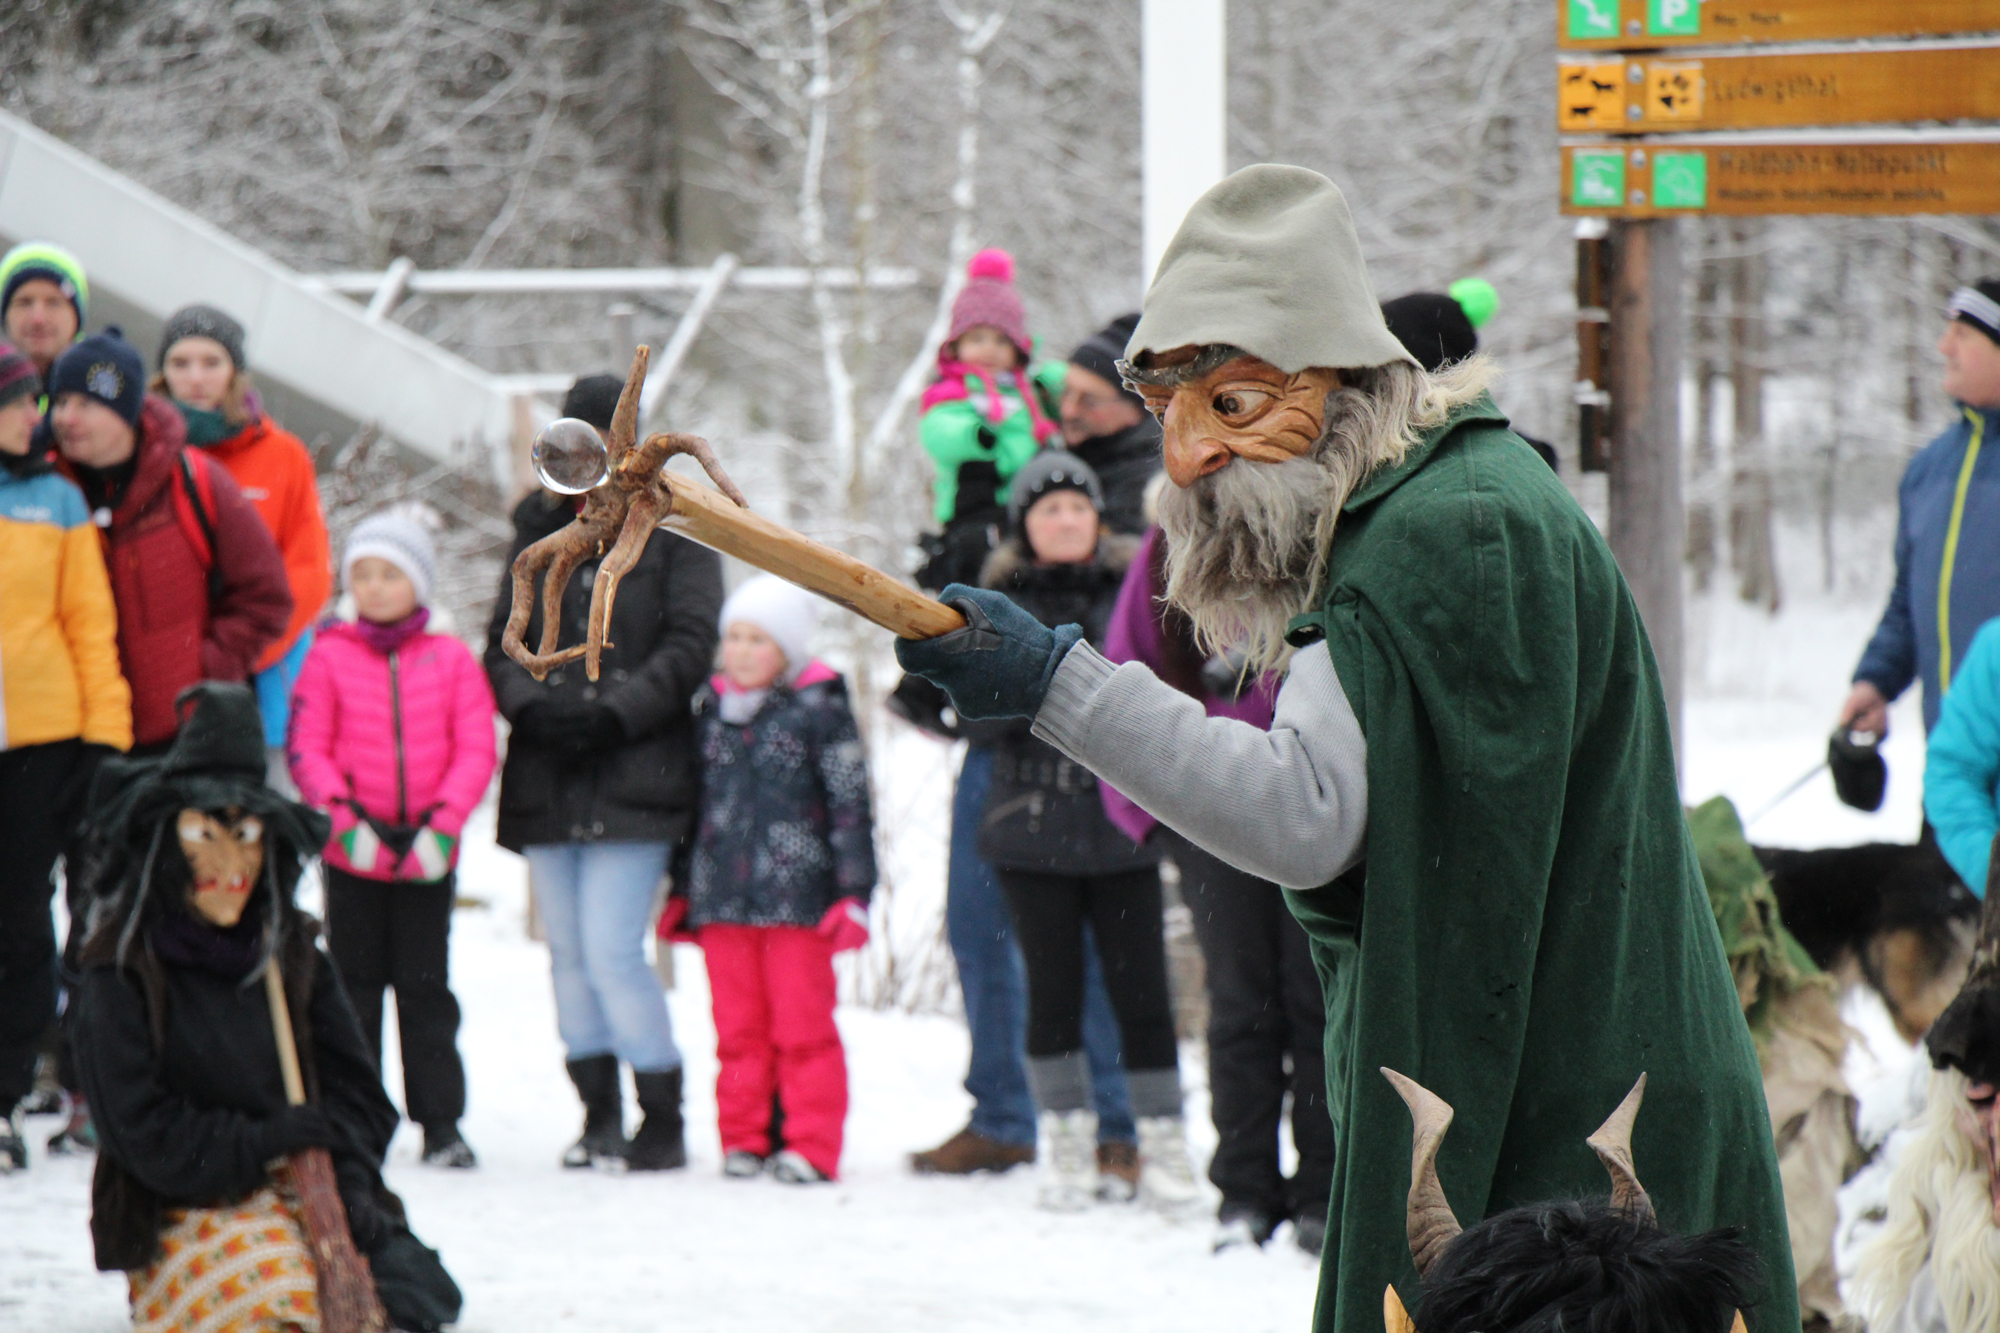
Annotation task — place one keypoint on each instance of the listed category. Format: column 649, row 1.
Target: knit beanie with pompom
column 988, row 297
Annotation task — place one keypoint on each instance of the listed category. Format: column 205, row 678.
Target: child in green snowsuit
column 984, row 415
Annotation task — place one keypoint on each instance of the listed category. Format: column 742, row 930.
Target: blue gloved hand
column 999, row 665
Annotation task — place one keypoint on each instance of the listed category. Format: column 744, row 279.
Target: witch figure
column 193, row 872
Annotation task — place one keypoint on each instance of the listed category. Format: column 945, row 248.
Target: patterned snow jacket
column 785, row 829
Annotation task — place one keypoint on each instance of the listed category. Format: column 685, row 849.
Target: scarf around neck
column 386, row 639
column 181, row 939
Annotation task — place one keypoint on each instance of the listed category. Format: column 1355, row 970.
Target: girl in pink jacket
column 392, row 735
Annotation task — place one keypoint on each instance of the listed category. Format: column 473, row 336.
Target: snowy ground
column 539, row 1248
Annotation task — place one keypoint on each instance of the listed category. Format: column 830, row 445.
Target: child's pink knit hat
column 988, row 297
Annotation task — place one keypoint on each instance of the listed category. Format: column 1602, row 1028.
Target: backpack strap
column 194, row 505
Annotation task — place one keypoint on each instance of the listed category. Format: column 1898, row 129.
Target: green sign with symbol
column 1672, row 18
column 1593, row 18
column 1597, row 180
column 1680, row 180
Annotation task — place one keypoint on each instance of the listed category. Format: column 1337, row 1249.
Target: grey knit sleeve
column 1289, row 805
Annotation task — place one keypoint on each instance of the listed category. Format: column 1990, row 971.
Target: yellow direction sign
column 1882, row 177
column 1757, row 91
column 1629, row 24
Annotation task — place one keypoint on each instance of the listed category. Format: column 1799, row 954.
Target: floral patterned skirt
column 240, row 1268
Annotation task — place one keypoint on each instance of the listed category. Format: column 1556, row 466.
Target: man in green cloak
column 1468, row 789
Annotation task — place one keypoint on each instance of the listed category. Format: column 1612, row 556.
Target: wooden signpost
column 1653, row 95
column 1664, row 114
column 1747, row 178
column 1632, row 24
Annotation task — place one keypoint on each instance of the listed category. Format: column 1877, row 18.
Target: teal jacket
column 974, row 426
column 1962, row 767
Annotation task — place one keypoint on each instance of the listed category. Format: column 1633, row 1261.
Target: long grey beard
column 1246, row 547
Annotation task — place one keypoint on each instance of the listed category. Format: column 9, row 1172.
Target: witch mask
column 225, row 852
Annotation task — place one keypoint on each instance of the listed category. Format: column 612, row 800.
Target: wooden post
column 1647, row 521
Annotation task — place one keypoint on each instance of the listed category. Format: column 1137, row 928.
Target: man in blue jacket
column 1947, row 530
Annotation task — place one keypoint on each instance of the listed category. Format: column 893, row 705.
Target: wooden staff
column 707, row 516
column 347, row 1299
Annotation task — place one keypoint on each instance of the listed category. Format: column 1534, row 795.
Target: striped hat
column 39, row 259
column 1979, row 306
column 17, row 376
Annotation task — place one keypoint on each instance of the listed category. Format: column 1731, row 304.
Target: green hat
column 39, row 259
column 1268, row 261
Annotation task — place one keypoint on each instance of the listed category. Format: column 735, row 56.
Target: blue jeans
column 996, row 987
column 596, row 900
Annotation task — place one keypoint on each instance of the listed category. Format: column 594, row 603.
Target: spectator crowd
column 181, row 688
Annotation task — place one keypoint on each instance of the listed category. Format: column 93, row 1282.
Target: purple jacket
column 1144, row 629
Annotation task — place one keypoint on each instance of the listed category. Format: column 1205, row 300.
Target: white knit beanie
column 787, row 613
column 399, row 536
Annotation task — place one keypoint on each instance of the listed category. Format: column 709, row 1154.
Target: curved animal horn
column 1613, row 1145
column 1431, row 1225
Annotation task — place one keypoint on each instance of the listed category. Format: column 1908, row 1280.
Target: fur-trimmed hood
column 1115, row 553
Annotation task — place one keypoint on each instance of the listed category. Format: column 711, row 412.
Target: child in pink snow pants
column 778, row 877
column 392, row 735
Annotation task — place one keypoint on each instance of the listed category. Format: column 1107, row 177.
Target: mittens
column 845, row 925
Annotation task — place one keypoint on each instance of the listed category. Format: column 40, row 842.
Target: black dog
column 1897, row 912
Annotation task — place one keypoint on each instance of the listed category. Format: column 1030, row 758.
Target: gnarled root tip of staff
column 618, row 515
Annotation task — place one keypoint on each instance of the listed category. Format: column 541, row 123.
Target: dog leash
column 1786, row 794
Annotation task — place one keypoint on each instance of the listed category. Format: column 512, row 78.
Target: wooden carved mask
column 1244, row 408
column 225, row 850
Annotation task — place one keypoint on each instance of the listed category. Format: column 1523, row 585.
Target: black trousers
column 34, row 782
column 1266, row 1036
column 380, row 935
column 1124, row 915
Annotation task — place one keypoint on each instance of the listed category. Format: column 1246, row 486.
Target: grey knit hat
column 1049, row 471
column 398, row 536
column 1268, row 261
column 203, row 321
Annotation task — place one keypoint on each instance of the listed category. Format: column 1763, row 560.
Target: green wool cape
column 1528, row 932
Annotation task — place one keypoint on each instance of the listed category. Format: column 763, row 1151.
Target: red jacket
column 169, row 633
column 276, row 473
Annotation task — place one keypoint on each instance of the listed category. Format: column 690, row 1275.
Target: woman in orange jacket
column 203, row 369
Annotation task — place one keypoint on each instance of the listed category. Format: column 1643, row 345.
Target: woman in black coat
column 599, row 785
column 176, row 1043
column 1062, row 862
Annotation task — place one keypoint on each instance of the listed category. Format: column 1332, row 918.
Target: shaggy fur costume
column 1940, row 1235
column 1586, row 1267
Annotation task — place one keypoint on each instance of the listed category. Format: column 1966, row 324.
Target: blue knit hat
column 105, row 367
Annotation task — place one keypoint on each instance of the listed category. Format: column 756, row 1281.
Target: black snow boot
column 661, row 1143
column 596, row 1079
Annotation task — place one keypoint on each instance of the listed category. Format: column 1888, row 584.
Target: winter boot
column 446, row 1147
column 1117, row 1171
column 742, row 1164
column 1069, row 1172
column 661, row 1143
column 13, row 1143
column 1166, row 1176
column 77, row 1135
column 1309, row 1231
column 1241, row 1225
column 791, row 1168
column 596, row 1079
column 968, row 1152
